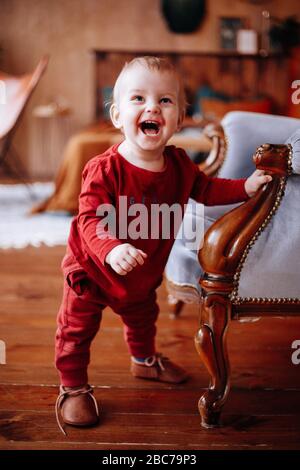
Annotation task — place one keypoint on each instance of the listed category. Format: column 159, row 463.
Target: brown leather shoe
column 77, row 406
column 158, row 368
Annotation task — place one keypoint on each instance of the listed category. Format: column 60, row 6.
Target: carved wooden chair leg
column 175, row 306
column 211, row 345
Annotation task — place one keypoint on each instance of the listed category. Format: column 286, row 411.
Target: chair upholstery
column 244, row 132
column 249, row 264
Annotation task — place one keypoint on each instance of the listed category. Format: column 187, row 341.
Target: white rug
column 18, row 229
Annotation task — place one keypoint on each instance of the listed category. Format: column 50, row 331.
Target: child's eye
column 165, row 100
column 138, row 98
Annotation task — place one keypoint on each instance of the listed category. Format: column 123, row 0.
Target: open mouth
column 150, row 127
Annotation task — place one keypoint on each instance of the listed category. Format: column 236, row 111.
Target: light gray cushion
column 183, row 267
column 294, row 140
column 272, row 268
column 245, row 132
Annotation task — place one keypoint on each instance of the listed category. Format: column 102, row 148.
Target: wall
column 69, row 29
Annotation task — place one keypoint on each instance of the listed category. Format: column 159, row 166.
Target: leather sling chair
column 15, row 94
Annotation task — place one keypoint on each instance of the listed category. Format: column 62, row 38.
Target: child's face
column 147, row 108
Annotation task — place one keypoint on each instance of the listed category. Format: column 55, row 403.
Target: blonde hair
column 158, row 64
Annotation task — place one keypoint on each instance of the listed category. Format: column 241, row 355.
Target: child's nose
column 153, row 107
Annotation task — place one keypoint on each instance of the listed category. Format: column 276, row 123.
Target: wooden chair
column 239, row 249
column 226, row 246
column 16, row 91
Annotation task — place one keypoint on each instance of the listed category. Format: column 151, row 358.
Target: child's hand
column 123, row 258
column 255, row 181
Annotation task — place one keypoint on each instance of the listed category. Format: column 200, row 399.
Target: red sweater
column 108, row 176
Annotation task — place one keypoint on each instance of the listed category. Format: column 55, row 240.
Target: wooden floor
column 263, row 410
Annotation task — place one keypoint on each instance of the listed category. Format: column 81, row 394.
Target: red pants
column 79, row 320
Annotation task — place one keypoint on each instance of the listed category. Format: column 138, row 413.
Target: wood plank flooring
column 263, row 410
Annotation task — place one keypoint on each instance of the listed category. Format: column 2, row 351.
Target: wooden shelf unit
column 241, row 76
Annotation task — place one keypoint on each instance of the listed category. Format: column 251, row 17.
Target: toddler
column 112, row 258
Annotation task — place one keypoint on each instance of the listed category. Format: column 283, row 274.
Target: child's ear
column 115, row 116
column 180, row 120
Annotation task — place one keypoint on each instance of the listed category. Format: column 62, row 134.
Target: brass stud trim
column 234, row 297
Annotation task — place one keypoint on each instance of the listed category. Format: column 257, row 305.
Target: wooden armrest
column 215, row 133
column 227, row 239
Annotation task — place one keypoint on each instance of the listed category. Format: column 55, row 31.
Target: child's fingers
column 131, row 260
column 262, row 173
column 119, row 270
column 265, row 178
column 125, row 265
column 140, row 257
column 143, row 253
column 137, row 255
